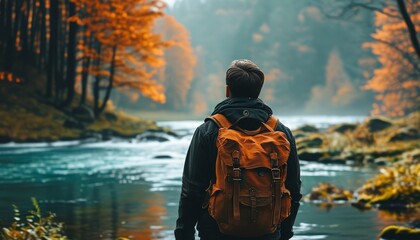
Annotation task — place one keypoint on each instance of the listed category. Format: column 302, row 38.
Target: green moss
column 399, row 233
column 394, row 187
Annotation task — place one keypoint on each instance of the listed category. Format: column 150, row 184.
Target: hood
column 235, row 109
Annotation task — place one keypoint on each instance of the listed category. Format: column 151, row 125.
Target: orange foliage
column 128, row 26
column 179, row 72
column 397, row 81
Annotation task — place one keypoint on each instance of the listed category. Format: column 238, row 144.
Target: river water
column 104, row 190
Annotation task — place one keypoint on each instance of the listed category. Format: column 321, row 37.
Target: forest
column 328, row 57
column 99, row 100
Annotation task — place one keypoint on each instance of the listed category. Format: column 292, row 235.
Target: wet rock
column 377, row 124
column 368, row 159
column 162, row 157
column 327, row 192
column 342, row 128
column 405, row 134
column 312, row 154
column 310, row 142
column 412, row 156
column 381, row 162
column 308, row 129
column 399, row 233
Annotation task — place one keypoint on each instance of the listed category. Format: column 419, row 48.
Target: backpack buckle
column 237, row 176
column 275, row 173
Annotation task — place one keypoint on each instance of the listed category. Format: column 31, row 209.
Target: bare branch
column 352, row 8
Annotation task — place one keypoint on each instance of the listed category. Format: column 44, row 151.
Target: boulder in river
column 405, row 134
column 307, row 129
column 342, row 128
column 399, row 233
column 376, row 124
column 328, row 195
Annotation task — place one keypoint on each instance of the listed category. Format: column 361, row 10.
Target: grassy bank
column 26, row 116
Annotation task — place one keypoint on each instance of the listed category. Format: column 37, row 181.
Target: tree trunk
column 111, row 80
column 8, row 45
column 43, row 40
column 85, row 71
column 71, row 57
column 97, row 82
column 410, row 26
column 52, row 58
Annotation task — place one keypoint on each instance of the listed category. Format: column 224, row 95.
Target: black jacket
column 199, row 169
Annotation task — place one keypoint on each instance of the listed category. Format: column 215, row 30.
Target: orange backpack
column 249, row 197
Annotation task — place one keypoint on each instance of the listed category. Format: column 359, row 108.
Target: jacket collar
column 238, row 108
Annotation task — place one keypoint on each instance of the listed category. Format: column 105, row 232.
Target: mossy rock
column 308, row 129
column 312, row 141
column 327, row 192
column 312, row 154
column 399, row 233
column 342, row 128
column 376, row 124
column 404, row 134
column 393, row 188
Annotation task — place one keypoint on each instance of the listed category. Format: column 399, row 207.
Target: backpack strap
column 220, row 120
column 272, row 122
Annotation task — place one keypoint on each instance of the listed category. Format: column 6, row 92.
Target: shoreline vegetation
column 27, row 116
column 391, row 145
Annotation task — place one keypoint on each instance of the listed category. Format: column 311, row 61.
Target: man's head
column 244, row 79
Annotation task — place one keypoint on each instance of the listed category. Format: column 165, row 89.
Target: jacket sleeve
column 195, row 179
column 293, row 184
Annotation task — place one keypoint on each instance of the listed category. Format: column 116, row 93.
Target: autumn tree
column 120, row 42
column 103, row 43
column 397, row 80
column 179, row 71
column 396, row 45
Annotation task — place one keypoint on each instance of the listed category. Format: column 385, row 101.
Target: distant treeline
column 319, row 57
column 89, row 45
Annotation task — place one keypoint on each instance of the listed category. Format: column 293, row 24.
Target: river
column 103, row 190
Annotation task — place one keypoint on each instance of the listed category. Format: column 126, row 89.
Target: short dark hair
column 244, row 78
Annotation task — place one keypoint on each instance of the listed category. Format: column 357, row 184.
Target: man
column 244, row 81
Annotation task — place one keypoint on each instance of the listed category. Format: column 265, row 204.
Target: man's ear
column 227, row 91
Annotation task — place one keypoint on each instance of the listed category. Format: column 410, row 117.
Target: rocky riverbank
column 26, row 116
column 377, row 141
column 393, row 145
